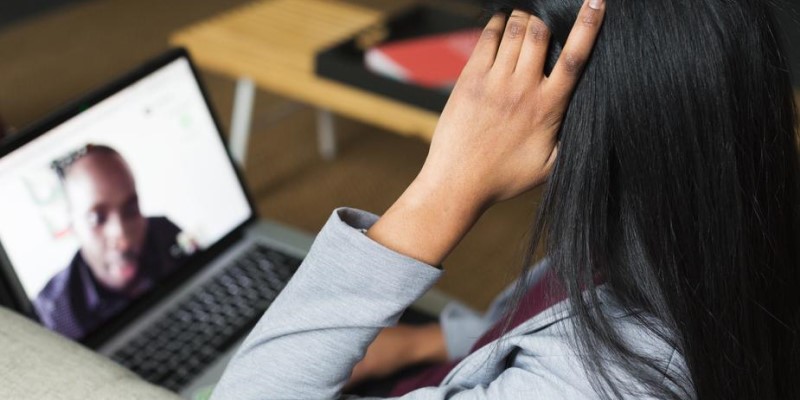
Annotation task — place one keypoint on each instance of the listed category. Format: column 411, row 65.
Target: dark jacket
column 73, row 303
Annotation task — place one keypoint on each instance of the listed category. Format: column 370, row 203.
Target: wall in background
column 16, row 10
column 788, row 15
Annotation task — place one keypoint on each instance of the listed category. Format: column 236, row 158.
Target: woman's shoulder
column 647, row 338
column 543, row 352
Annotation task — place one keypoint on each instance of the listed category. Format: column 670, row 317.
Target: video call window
column 100, row 209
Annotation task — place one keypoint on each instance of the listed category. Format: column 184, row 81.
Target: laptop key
column 180, row 345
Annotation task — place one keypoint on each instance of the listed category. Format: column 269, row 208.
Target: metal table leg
column 243, row 100
column 242, row 118
column 326, row 134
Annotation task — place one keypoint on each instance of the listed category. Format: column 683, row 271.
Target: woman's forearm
column 431, row 345
column 428, row 220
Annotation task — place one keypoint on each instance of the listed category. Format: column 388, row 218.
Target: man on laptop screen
column 122, row 253
column 125, row 226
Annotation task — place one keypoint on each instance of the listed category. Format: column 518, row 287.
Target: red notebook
column 432, row 61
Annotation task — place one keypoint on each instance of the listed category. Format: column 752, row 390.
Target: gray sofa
column 38, row 364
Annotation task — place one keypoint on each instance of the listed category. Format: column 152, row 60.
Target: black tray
column 344, row 62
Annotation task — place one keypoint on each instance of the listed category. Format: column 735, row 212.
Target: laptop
column 126, row 226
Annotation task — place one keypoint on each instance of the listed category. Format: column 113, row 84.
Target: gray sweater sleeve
column 347, row 289
column 463, row 327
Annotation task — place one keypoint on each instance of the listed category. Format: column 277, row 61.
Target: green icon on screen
column 186, row 121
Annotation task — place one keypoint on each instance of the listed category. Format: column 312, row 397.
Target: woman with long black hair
column 669, row 219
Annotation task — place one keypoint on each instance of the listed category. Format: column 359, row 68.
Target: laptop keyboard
column 180, row 345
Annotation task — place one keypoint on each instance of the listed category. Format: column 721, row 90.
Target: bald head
column 104, row 210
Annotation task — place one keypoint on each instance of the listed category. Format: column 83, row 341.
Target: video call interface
column 100, row 209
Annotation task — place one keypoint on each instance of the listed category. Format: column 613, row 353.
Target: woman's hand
column 496, row 137
column 398, row 347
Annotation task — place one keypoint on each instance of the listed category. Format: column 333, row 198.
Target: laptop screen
column 98, row 210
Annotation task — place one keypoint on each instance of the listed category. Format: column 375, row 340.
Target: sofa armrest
column 38, row 364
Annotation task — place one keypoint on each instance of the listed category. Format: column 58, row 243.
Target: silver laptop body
column 124, row 220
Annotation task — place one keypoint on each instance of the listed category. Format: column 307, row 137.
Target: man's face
column 106, row 218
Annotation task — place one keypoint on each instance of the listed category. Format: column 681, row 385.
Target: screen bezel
column 193, row 265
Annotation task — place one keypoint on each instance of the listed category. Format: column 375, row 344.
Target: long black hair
column 677, row 181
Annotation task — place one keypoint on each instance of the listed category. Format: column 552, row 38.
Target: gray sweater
column 350, row 287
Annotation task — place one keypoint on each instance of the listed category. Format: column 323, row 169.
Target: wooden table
column 271, row 44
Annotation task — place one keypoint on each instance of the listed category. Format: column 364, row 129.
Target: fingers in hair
column 485, row 51
column 533, row 53
column 511, row 44
column 576, row 52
